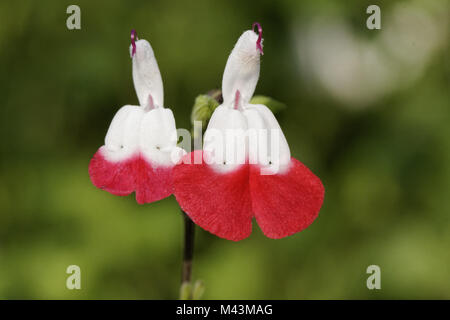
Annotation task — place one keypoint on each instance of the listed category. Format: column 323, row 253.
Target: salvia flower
column 141, row 143
column 246, row 170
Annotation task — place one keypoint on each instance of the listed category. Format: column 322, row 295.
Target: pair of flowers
column 239, row 176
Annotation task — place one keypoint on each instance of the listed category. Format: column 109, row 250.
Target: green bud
column 203, row 108
column 185, row 291
column 274, row 105
column 199, row 290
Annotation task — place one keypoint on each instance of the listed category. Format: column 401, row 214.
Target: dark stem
column 188, row 252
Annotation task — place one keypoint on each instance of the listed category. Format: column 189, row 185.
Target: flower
column 246, row 170
column 141, row 143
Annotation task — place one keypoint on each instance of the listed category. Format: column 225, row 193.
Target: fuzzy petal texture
column 242, row 69
column 225, row 140
column 152, row 183
column 218, row 202
column 121, row 178
column 270, row 149
column 115, row 177
column 285, row 203
column 146, row 76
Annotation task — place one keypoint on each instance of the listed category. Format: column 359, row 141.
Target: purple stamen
column 236, row 99
column 150, row 104
column 258, row 42
column 133, row 43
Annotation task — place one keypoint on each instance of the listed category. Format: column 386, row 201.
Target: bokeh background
column 367, row 111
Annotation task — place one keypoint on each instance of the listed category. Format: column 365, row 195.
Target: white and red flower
column 141, row 143
column 246, row 169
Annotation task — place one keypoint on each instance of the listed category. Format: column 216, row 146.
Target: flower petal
column 267, row 144
column 225, row 142
column 217, row 202
column 146, row 76
column 116, row 177
column 285, row 203
column 152, row 183
column 242, row 69
column 122, row 138
column 158, row 138
column 134, row 174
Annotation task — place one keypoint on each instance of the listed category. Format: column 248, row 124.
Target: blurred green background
column 367, row 110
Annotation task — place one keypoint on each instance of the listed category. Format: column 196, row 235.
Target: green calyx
column 274, row 105
column 205, row 104
column 203, row 108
